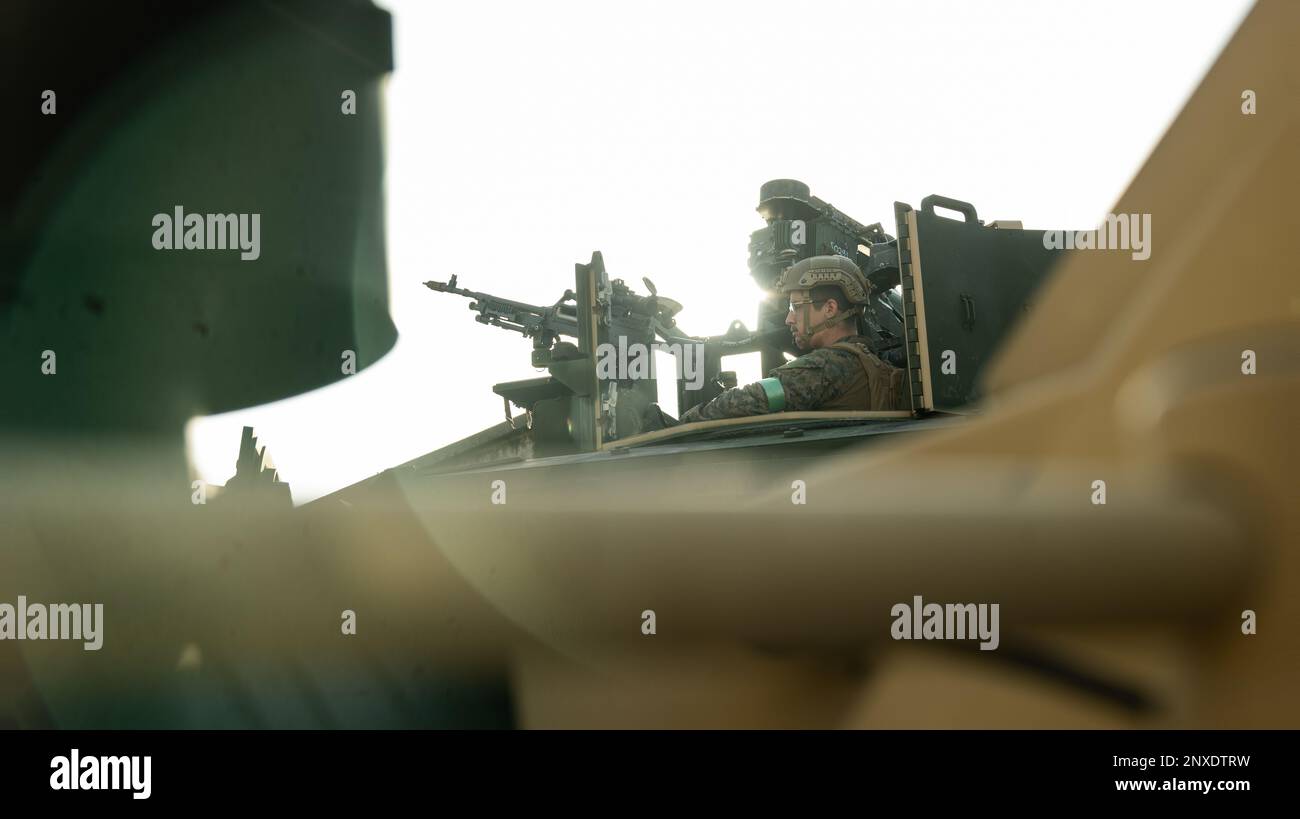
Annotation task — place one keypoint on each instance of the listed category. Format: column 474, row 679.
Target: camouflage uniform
column 824, row 379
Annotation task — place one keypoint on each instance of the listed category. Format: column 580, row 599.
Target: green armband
column 775, row 394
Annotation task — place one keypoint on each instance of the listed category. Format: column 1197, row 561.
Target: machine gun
column 544, row 325
column 608, row 312
column 646, row 315
column 620, row 308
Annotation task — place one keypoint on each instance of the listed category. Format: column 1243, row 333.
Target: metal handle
column 964, row 208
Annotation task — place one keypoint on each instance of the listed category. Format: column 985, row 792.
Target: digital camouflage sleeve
column 809, row 382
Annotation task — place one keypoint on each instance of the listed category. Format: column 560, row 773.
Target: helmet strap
column 830, row 322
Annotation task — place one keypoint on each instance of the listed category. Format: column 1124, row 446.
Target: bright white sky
column 523, row 136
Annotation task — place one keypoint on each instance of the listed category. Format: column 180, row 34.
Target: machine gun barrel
column 542, row 323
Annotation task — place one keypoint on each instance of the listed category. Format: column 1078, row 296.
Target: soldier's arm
column 803, row 384
column 811, row 380
column 736, row 402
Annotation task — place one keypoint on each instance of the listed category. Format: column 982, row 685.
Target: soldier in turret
column 838, row 371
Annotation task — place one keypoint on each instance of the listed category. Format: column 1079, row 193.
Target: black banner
column 1222, row 769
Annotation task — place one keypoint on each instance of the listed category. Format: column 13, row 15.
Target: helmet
column 819, row 270
column 836, row 271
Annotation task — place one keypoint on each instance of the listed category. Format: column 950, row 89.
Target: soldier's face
column 799, row 308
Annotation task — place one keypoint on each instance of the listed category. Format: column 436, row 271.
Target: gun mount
column 575, row 408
